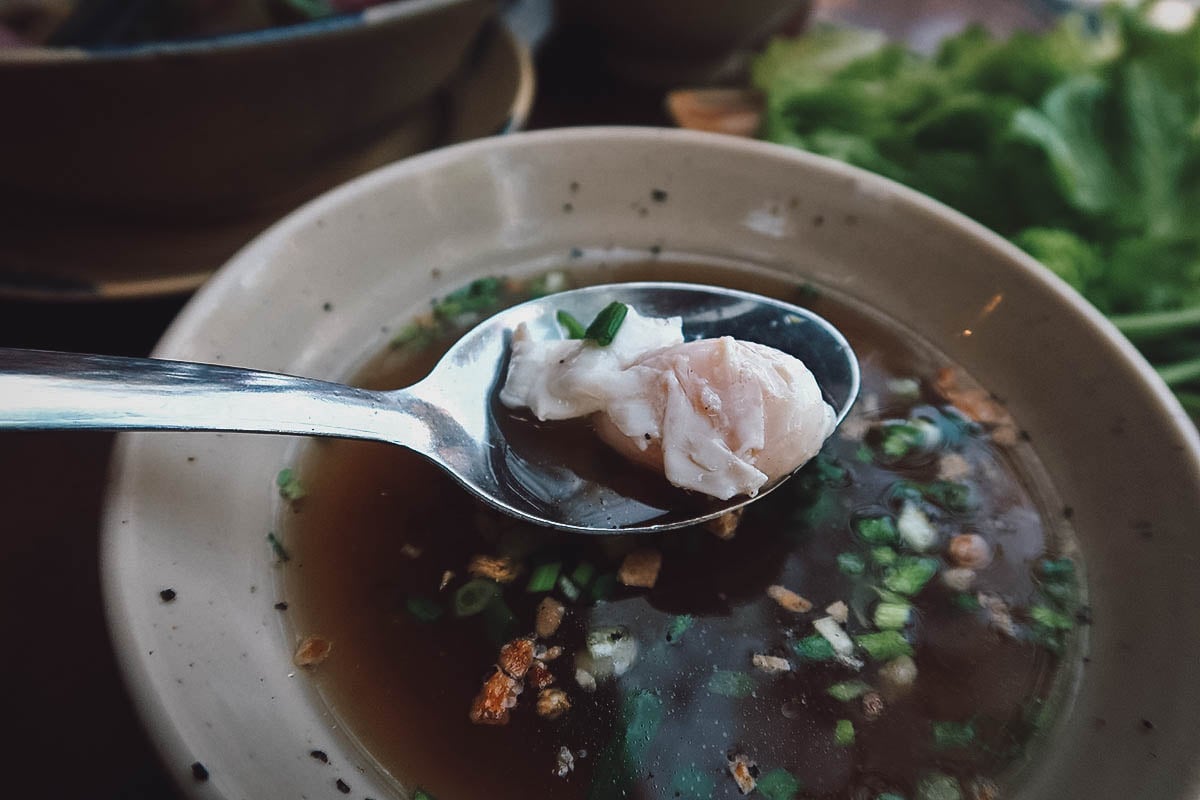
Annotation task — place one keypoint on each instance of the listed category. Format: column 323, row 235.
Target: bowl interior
column 319, row 293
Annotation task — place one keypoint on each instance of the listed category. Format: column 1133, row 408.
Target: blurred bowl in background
column 214, row 128
column 666, row 43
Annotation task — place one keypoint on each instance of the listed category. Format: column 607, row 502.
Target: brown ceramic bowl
column 217, row 127
column 318, row 294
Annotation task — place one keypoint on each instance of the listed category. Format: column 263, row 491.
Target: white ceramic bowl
column 211, row 671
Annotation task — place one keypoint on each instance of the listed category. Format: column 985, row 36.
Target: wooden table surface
column 73, row 730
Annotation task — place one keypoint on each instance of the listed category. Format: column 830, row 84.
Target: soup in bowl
column 957, row 598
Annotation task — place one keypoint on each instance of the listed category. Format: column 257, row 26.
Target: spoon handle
column 42, row 390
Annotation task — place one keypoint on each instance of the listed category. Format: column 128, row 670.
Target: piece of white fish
column 718, row 416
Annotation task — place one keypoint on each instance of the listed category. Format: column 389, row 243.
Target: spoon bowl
column 451, row 417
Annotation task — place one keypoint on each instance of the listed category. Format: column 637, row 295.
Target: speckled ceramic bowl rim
column 239, row 273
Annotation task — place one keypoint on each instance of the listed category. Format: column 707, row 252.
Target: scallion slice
column 843, row 733
column 572, row 326
column 847, row 690
column 474, row 596
column 884, row 646
column 544, row 577
column 604, row 327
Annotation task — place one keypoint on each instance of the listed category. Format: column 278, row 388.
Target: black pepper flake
column 851, row 219
column 281, row 605
column 1068, row 512
column 1147, row 725
column 576, row 252
column 320, row 755
column 1098, row 723
column 567, row 208
column 818, row 221
column 199, row 773
column 1084, row 615
column 574, row 186
column 1024, row 436
column 342, row 786
column 655, row 249
column 658, row 195
column 327, row 306
column 167, row 595
column 191, row 459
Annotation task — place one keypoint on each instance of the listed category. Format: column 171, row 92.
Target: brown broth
column 403, row 687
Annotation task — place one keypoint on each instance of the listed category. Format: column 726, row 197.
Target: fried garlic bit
column 771, row 665
column 725, row 526
column 640, row 568
column 550, row 614
column 500, row 569
column 552, row 703
column 744, row 771
column 789, row 600
column 312, row 651
column 518, row 664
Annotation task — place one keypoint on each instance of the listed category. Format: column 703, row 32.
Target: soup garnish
column 887, row 625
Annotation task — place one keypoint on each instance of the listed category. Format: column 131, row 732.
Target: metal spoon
column 452, row 417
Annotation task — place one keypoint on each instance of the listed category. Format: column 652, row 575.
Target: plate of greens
column 1081, row 144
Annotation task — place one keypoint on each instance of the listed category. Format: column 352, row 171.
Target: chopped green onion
column 884, row 556
column 956, row 497
column 843, row 733
column 277, row 546
column 910, row 574
column 678, row 627
column 730, row 683
column 568, row 588
column 582, row 575
column 850, row 563
column 877, row 530
column 952, row 735
column 1050, row 618
column 905, row 389
column 572, row 326
column 606, row 324
column 425, row 609
column 289, row 485
column 892, row 616
column 603, row 587
column 1056, row 569
column 421, row 794
column 896, row 440
column 474, row 596
column 884, row 646
column 544, row 577
column 863, row 454
column 938, row 786
column 778, row 784
column 643, row 714
column 846, row 691
column 814, row 648
column 479, row 296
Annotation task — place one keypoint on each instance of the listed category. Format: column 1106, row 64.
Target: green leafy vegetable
column 583, row 573
column 730, row 683
column 606, row 324
column 778, row 784
column 843, row 733
column 884, row 646
column 480, row 296
column 474, row 596
column 1081, row 144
